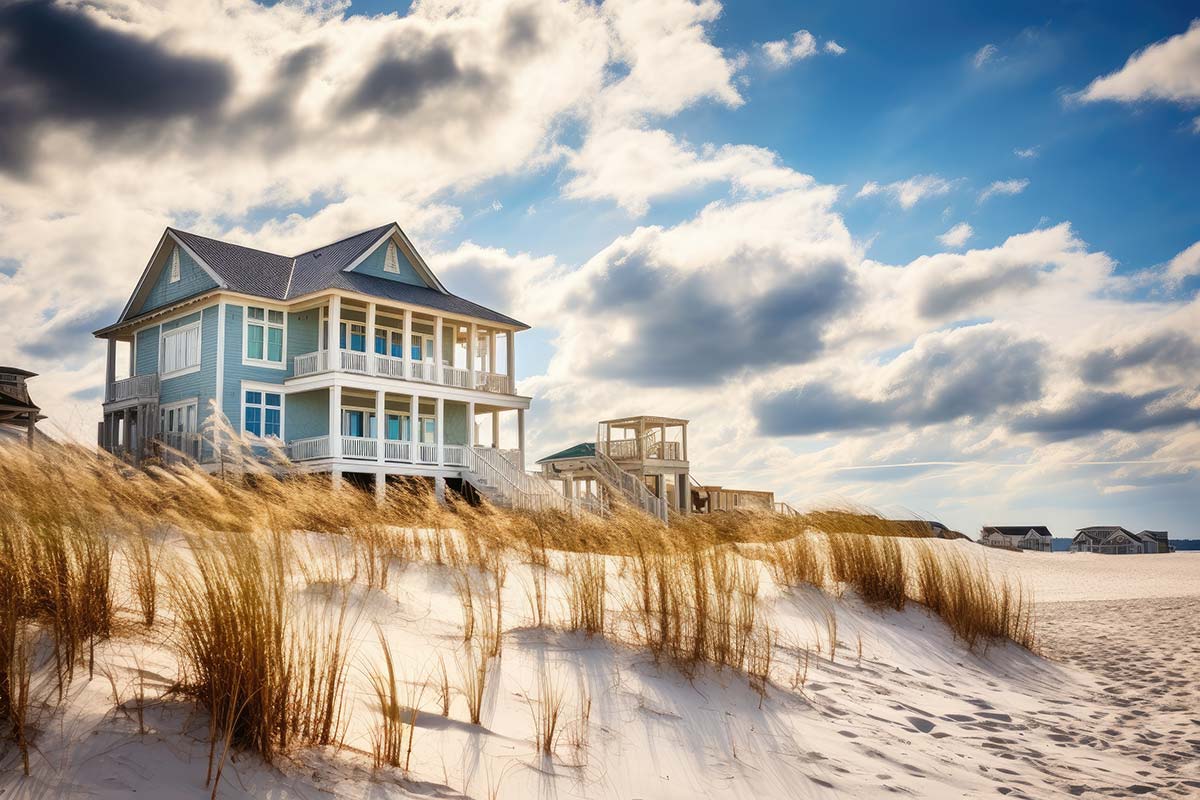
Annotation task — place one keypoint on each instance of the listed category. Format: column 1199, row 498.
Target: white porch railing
column 621, row 449
column 389, row 366
column 454, row 455
column 454, row 376
column 427, row 453
column 490, row 468
column 354, row 361
column 632, row 487
column 186, row 444
column 384, row 366
column 422, row 371
column 138, row 386
column 308, row 449
column 494, row 382
column 395, row 450
column 359, row 447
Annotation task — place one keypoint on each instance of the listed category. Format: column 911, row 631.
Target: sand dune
column 900, row 708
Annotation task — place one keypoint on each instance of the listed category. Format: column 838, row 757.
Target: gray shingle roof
column 1018, row 530
column 263, row 274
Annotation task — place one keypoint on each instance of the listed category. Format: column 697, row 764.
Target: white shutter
column 181, row 349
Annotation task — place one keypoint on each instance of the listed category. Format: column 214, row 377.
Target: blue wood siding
column 303, row 334
column 146, row 357
column 373, row 265
column 454, row 417
column 236, row 371
column 192, row 280
column 306, row 414
column 202, row 385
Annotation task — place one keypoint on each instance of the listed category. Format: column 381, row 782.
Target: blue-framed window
column 398, row 428
column 358, row 337
column 389, row 343
column 263, row 414
column 356, row 422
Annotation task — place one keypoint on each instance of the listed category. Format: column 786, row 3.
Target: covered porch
column 396, row 428
column 377, row 339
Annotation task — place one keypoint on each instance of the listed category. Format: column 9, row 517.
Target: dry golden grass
column 271, row 673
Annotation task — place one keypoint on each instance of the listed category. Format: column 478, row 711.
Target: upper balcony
column 403, row 343
column 138, row 387
column 385, row 366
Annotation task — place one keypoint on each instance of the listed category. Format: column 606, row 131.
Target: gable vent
column 391, row 260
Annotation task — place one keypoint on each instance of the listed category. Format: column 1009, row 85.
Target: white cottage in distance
column 1017, row 537
column 353, row 356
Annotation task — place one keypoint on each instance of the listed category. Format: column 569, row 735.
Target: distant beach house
column 19, row 415
column 352, row 357
column 1017, row 537
column 1115, row 540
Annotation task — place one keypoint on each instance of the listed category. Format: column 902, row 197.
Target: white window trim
column 265, row 389
column 178, row 406
column 175, row 271
column 162, row 350
column 246, row 321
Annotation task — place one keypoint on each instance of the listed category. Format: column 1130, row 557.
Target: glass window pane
column 275, row 344
column 397, row 345
column 253, row 397
column 393, row 427
column 271, row 426
column 381, row 341
column 276, row 317
column 371, row 425
column 342, row 335
column 255, row 312
column 254, row 342
column 415, row 355
column 254, row 420
column 272, row 399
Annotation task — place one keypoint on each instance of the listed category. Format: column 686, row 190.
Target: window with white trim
column 181, row 350
column 391, row 259
column 264, row 336
column 176, row 272
column 262, row 413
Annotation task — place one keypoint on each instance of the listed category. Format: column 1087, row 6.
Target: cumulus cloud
column 910, row 191
column 676, row 306
column 1026, row 152
column 1166, row 70
column 782, row 52
column 947, row 375
column 1009, row 187
column 1094, row 411
column 1170, row 355
column 1184, row 264
column 634, row 166
column 957, row 236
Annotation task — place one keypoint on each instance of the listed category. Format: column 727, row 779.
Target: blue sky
column 926, row 257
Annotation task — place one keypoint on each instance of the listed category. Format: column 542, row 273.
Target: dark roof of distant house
column 582, row 450
column 17, row 371
column 1155, row 534
column 263, row 274
column 1017, row 530
column 1105, row 530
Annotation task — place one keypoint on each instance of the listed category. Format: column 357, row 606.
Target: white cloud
column 1166, row 70
column 1184, row 264
column 1008, row 187
column 983, row 55
column 910, row 191
column 956, row 236
column 782, row 52
column 634, row 166
column 1026, row 152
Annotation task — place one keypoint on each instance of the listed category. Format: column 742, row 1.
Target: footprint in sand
column 921, row 724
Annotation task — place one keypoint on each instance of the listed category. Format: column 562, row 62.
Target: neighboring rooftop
column 1018, row 530
column 582, row 450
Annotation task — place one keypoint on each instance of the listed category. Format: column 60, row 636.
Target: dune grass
column 270, row 670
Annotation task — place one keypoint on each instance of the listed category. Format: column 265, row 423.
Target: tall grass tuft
column 977, row 607
column 586, row 582
column 872, row 565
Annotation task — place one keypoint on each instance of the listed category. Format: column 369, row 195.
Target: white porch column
column 380, row 487
column 371, row 339
column 132, row 355
column 684, row 445
column 438, row 373
column 407, row 346
column 496, row 429
column 521, row 437
column 438, row 419
column 380, row 424
column 110, row 369
column 336, row 476
column 335, row 421
column 491, row 364
column 511, row 336
column 470, row 423
column 126, row 430
column 472, row 333
column 414, row 427
column 335, row 318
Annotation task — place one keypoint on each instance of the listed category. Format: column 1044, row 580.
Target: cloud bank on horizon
column 589, row 168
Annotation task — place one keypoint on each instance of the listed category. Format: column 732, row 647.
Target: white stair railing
column 491, row 468
column 630, row 486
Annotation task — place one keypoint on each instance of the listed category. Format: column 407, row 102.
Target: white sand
column 917, row 715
